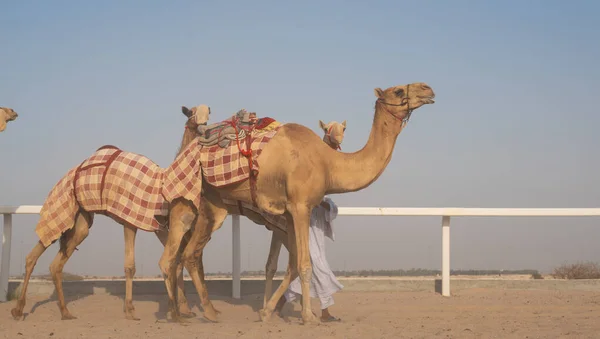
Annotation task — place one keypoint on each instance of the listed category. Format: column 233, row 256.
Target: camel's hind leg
column 271, row 266
column 129, row 234
column 69, row 240
column 291, row 274
column 183, row 305
column 211, row 218
column 30, row 262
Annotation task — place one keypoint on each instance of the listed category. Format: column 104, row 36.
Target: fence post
column 236, row 257
column 446, row 256
column 5, row 265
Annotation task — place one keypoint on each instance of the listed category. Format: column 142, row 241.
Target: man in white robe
column 323, row 283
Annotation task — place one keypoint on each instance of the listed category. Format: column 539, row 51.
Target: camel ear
column 379, row 93
column 322, row 125
column 344, row 124
column 186, row 111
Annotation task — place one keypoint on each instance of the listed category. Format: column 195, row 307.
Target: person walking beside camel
column 323, row 282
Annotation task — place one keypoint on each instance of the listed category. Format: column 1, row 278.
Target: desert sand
column 472, row 313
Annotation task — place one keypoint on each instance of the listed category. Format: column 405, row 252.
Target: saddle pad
column 226, row 166
column 278, row 221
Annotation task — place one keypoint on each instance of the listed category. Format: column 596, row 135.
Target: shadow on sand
column 252, row 293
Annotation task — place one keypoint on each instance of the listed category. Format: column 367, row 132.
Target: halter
column 193, row 116
column 328, row 135
column 407, row 103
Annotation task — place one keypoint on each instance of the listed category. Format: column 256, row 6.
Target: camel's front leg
column 301, row 216
column 211, row 217
column 271, row 267
column 181, row 218
column 129, row 233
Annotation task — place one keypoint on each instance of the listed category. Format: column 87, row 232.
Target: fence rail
column 445, row 213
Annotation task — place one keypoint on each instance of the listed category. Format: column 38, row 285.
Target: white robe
column 323, row 283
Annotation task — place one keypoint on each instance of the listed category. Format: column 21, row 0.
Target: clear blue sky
column 515, row 122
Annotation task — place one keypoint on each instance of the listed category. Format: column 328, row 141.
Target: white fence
column 444, row 213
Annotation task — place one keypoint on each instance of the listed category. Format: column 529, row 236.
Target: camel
column 80, row 220
column 6, row 115
column 334, row 135
column 297, row 170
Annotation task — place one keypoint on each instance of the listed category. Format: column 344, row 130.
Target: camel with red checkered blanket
column 293, row 173
column 6, row 115
column 125, row 186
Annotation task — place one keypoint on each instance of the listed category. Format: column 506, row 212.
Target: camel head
column 400, row 101
column 6, row 115
column 197, row 116
column 334, row 133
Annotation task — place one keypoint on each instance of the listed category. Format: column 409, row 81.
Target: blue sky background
column 514, row 124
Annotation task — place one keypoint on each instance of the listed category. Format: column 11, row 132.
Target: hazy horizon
column 514, row 123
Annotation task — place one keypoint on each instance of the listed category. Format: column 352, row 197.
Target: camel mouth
column 429, row 99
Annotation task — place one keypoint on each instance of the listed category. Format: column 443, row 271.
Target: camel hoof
column 310, row 319
column 181, row 321
column 265, row 315
column 131, row 317
column 68, row 316
column 188, row 314
column 16, row 314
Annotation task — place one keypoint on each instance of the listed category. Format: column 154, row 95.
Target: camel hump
column 108, row 147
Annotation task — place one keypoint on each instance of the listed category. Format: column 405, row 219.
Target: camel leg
column 301, row 217
column 181, row 219
column 291, row 274
column 271, row 267
column 129, row 234
column 211, row 217
column 183, row 305
column 30, row 262
column 69, row 240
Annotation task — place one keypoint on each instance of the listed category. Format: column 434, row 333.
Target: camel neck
column 350, row 172
column 187, row 138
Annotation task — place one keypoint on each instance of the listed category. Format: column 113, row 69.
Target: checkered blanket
column 125, row 186
column 225, row 166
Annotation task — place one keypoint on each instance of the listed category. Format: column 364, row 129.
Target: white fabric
column 323, row 283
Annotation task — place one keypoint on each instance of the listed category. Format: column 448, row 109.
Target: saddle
column 238, row 127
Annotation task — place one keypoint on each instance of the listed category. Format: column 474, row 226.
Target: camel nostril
column 425, row 87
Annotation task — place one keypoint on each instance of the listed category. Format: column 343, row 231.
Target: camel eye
column 399, row 92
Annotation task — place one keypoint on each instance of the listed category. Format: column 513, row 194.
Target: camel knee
column 30, row 262
column 305, row 274
column 55, row 269
column 270, row 271
column 190, row 260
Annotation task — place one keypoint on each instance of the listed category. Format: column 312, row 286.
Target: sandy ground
column 473, row 313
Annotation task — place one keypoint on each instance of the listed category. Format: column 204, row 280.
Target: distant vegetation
column 413, row 272
column 580, row 270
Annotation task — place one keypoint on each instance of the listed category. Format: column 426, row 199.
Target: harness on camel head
column 405, row 102
column 328, row 135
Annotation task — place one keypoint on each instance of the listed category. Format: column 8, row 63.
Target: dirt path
column 474, row 313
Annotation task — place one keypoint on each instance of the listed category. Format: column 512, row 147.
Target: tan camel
column 80, row 220
column 334, row 135
column 6, row 115
column 297, row 170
